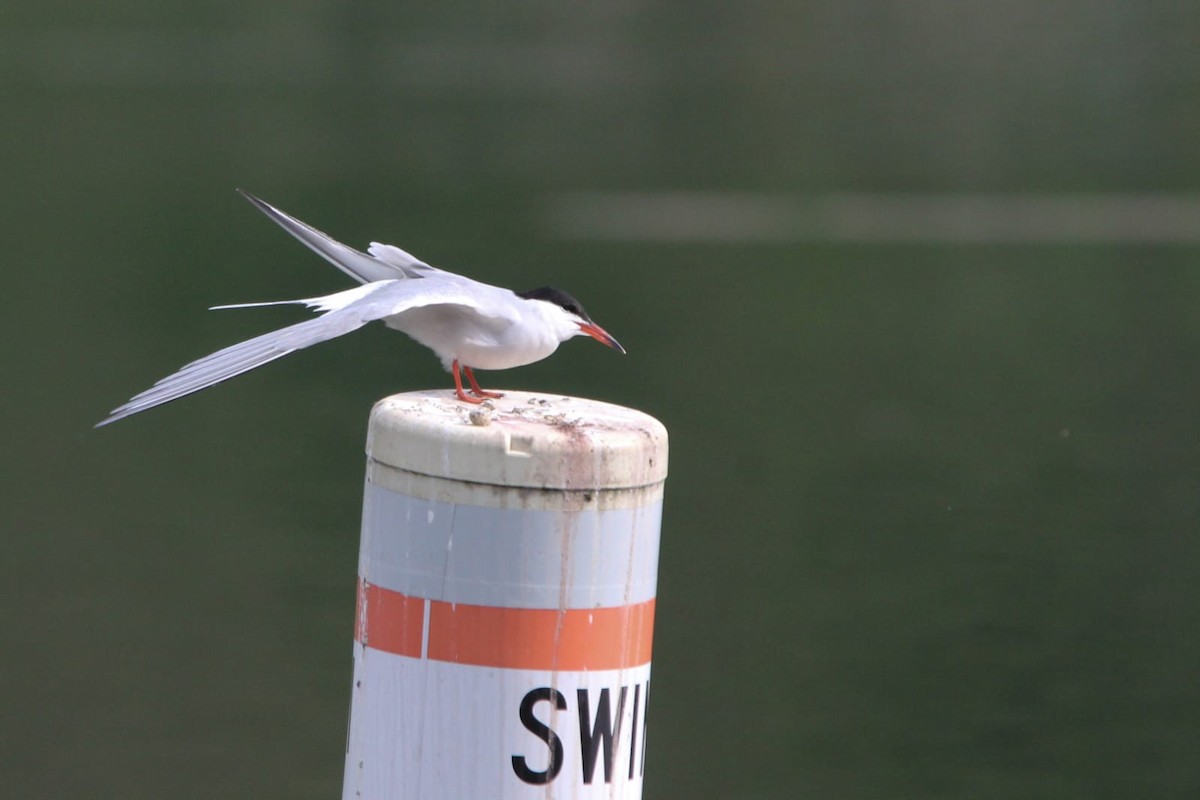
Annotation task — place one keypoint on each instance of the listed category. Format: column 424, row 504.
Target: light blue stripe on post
column 514, row 558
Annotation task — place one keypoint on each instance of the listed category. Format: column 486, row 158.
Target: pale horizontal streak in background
column 855, row 217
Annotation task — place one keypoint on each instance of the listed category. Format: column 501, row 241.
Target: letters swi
column 611, row 733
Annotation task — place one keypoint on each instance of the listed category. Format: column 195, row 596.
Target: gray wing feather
column 358, row 265
column 232, row 361
column 372, row 303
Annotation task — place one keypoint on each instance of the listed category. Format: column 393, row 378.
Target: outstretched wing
column 385, row 262
column 345, row 312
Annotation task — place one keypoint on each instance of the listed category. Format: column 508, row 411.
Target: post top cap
column 525, row 440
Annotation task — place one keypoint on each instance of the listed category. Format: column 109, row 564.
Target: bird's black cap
column 559, row 298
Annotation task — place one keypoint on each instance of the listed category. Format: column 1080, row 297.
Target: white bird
column 468, row 324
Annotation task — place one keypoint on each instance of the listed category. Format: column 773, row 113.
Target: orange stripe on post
column 572, row 640
column 389, row 621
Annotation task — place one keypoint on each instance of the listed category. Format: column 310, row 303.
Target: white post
column 507, row 579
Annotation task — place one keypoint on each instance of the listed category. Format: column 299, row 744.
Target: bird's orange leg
column 458, row 390
column 475, row 385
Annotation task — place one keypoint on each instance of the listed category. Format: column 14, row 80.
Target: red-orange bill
column 600, row 335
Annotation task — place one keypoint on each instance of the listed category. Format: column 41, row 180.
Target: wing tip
column 258, row 202
column 111, row 418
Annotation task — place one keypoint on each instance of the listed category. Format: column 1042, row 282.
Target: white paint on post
column 507, row 580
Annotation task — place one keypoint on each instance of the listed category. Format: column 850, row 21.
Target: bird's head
column 572, row 319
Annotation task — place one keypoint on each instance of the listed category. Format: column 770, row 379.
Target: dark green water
column 932, row 514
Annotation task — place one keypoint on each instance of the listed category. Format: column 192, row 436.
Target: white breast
column 478, row 341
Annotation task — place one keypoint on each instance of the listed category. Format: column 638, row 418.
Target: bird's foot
column 466, row 398
column 470, row 373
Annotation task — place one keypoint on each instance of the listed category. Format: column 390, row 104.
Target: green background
column 931, row 525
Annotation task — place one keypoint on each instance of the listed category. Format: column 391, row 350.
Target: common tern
column 468, row 324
